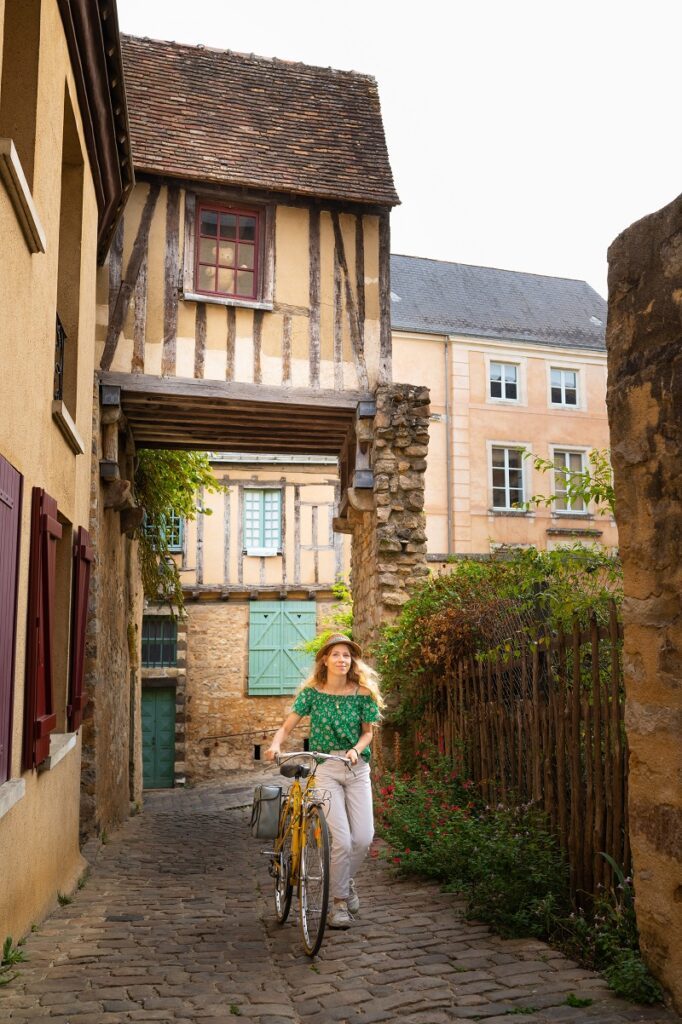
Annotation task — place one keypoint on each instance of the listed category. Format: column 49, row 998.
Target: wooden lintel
column 230, row 391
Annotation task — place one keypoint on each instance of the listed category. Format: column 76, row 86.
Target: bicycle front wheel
column 314, row 891
column 282, row 865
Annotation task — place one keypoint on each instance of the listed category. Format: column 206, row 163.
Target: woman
column 343, row 700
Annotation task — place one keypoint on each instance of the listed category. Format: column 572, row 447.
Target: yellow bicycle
column 300, row 858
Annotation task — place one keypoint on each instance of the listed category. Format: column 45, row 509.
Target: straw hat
column 339, row 638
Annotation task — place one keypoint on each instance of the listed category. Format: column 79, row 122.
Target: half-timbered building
column 65, row 172
column 245, row 307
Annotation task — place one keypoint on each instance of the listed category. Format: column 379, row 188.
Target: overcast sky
column 523, row 134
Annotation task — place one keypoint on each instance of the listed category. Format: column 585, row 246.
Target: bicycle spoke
column 314, row 879
column 282, row 865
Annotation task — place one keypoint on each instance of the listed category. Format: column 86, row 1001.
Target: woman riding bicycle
column 343, row 700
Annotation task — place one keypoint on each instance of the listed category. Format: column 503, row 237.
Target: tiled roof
column 217, row 116
column 434, row 297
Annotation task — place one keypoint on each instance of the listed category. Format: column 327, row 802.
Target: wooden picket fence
column 541, row 721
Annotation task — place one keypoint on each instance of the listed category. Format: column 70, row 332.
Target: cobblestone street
column 175, row 923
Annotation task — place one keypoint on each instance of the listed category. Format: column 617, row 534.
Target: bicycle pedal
column 269, row 853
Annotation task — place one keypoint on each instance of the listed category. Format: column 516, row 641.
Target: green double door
column 158, row 737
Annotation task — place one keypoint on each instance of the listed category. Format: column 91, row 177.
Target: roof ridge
column 283, row 61
column 499, row 270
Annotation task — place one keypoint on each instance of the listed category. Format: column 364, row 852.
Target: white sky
column 523, row 134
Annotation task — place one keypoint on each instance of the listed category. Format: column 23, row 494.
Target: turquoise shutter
column 276, row 628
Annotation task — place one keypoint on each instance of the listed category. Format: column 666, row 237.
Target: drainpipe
column 448, row 446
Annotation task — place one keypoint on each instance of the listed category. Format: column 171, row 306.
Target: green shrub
column 507, row 864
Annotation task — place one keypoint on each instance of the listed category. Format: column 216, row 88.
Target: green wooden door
column 276, row 629
column 158, row 737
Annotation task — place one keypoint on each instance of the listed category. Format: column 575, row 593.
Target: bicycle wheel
column 314, row 893
column 282, row 865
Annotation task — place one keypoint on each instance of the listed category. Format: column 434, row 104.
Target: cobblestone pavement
column 175, row 924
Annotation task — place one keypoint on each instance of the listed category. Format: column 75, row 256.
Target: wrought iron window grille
column 60, row 343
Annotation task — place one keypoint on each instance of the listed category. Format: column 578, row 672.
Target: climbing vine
column 167, row 483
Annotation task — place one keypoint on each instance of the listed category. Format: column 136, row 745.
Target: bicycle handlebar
column 279, row 758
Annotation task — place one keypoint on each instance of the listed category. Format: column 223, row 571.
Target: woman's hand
column 272, row 752
column 353, row 755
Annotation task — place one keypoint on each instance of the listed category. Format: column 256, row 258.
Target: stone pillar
column 644, row 342
column 389, row 540
column 111, row 773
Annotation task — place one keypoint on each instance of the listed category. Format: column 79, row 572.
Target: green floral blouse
column 335, row 720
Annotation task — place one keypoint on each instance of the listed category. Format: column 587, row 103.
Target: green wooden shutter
column 276, row 628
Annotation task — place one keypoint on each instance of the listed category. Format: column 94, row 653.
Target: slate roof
column 434, row 297
column 234, row 118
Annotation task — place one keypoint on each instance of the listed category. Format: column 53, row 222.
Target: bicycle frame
column 296, row 800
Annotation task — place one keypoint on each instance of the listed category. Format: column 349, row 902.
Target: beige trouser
column 350, row 817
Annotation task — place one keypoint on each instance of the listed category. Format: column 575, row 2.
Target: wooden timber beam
column 175, row 412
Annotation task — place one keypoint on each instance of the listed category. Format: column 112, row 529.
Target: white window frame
column 503, row 365
column 565, row 368
column 505, row 360
column 526, row 457
column 568, row 449
column 256, row 550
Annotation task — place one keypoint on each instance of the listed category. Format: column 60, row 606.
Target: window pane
column 514, row 458
column 225, row 281
column 209, row 223
column 206, row 279
column 496, row 388
column 511, row 390
column 498, row 456
column 556, row 378
column 570, row 379
column 516, row 495
column 556, row 396
column 247, row 229
column 228, row 225
column 496, row 371
column 227, row 253
column 246, row 253
column 244, row 283
column 510, row 373
column 499, row 497
column 207, row 250
column 499, row 477
column 575, row 462
column 571, row 396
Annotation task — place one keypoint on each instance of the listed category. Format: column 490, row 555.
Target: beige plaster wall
column 39, row 835
column 286, row 325
column 476, row 421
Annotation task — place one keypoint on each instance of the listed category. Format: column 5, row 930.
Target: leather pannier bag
column 267, row 801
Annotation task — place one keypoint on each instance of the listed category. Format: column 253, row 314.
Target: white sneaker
column 338, row 916
column 353, row 901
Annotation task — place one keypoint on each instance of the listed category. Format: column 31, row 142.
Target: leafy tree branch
column 593, row 484
column 168, row 483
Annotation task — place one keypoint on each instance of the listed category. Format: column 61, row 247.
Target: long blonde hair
column 360, row 673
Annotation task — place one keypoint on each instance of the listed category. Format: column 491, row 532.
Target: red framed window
column 227, row 257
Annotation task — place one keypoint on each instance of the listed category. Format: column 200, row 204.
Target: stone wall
column 222, row 724
column 644, row 340
column 389, row 540
column 111, row 776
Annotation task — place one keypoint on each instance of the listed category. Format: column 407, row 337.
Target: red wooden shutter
column 10, row 527
column 40, row 718
column 82, row 557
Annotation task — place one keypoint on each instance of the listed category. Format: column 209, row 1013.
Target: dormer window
column 227, row 257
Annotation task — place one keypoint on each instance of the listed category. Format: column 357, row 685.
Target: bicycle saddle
column 295, row 770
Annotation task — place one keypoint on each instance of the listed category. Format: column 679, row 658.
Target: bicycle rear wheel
column 282, row 865
column 314, row 892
